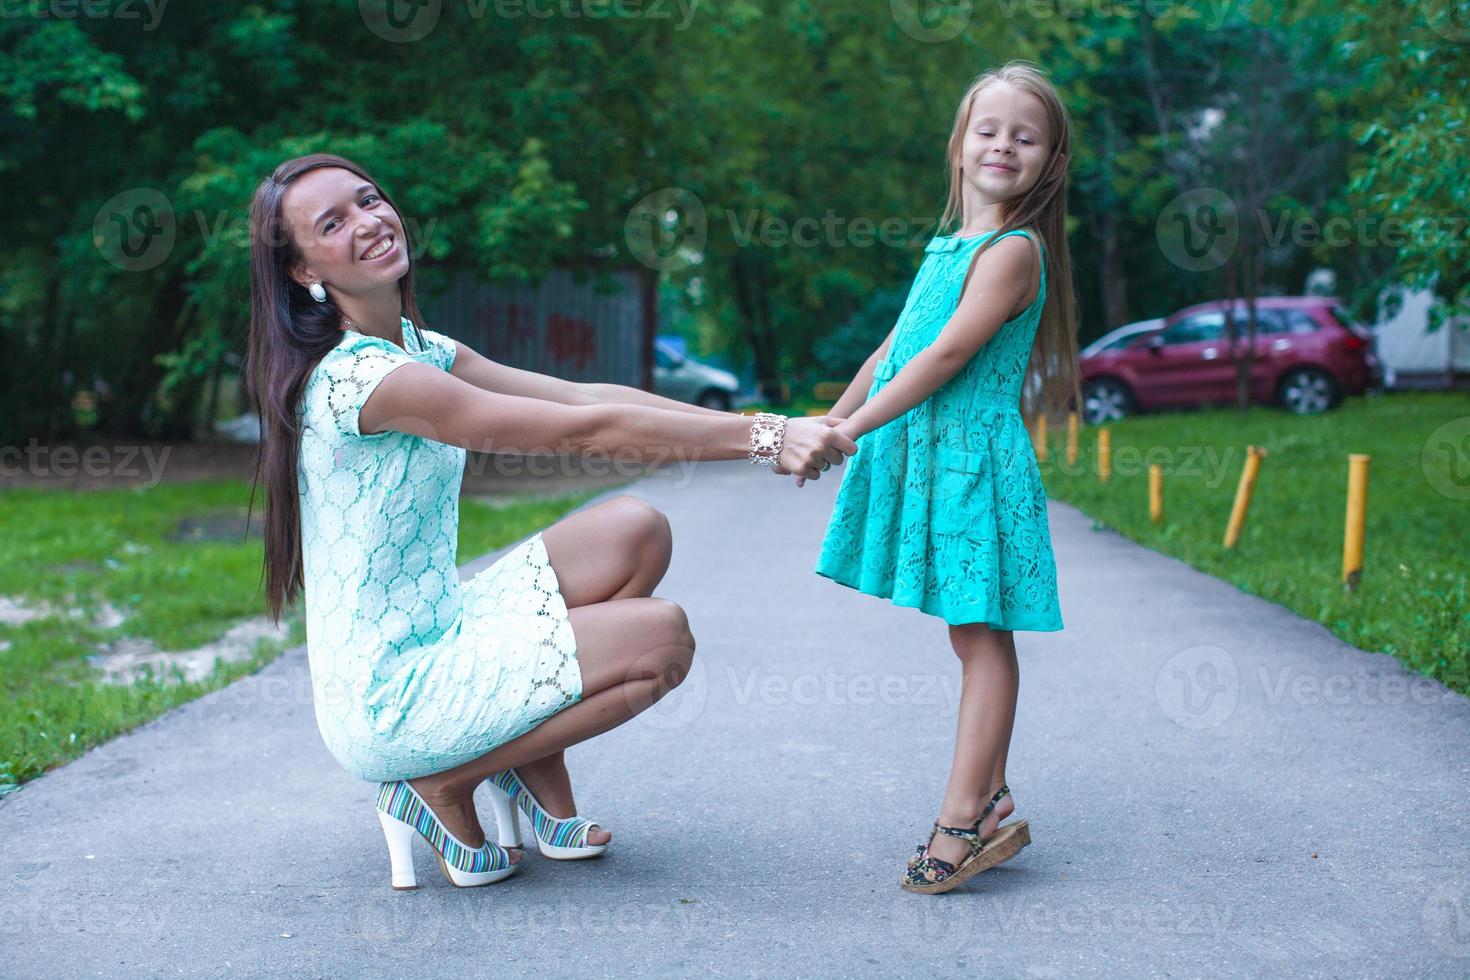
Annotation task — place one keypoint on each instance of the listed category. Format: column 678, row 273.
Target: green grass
column 73, row 551
column 1413, row 601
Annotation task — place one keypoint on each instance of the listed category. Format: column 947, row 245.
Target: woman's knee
column 645, row 524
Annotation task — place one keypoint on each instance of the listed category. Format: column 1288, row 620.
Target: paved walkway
column 1215, row 786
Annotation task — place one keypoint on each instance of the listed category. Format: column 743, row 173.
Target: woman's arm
column 474, row 368
column 1002, row 276
column 424, row 401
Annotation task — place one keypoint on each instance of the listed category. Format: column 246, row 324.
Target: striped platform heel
column 404, row 815
column 561, row 839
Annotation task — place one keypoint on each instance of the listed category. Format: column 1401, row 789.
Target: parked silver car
column 678, row 376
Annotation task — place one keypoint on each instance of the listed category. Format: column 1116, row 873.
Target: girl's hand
column 835, row 423
column 812, row 445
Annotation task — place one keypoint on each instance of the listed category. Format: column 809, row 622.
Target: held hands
column 811, row 446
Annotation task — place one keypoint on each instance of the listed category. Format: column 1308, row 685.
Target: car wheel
column 1308, row 391
column 715, row 399
column 1106, row 400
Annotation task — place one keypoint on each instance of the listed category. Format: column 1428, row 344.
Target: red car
column 1308, row 356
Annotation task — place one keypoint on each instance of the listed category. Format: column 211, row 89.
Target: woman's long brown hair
column 289, row 335
column 1044, row 209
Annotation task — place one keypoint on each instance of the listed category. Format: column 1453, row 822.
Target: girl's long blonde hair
column 1052, row 375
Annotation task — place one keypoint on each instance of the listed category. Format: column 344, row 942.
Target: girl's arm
column 1002, row 276
column 473, row 367
column 857, row 391
column 422, row 400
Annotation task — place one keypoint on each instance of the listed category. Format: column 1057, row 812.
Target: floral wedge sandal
column 930, row 875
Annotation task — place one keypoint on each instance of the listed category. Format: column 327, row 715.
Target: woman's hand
column 810, row 446
column 844, row 442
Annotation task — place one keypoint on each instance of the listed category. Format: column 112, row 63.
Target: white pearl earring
column 318, row 292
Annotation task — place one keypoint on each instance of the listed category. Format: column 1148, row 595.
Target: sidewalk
column 1216, row 787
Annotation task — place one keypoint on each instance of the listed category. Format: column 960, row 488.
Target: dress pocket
column 959, row 490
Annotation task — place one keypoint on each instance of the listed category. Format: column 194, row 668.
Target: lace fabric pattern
column 413, row 672
column 943, row 508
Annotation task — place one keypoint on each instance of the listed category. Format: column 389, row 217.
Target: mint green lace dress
column 413, row 672
column 943, row 508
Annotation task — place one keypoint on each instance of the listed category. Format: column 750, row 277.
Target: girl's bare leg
column 990, row 684
column 631, row 653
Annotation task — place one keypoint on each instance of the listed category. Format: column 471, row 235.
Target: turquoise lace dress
column 413, row 672
column 943, row 508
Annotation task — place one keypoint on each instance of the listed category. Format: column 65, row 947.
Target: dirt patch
column 127, row 660
column 227, row 525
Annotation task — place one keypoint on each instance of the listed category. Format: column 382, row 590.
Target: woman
column 423, row 684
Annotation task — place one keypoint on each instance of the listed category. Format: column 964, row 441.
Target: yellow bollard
column 1104, row 453
column 1156, row 493
column 1253, row 456
column 1071, row 439
column 1040, row 438
column 1357, row 512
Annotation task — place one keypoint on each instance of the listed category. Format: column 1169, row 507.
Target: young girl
column 943, row 508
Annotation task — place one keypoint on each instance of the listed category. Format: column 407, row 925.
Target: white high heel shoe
column 404, row 815
column 558, row 838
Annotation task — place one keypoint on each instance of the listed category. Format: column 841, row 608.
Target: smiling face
column 1006, row 143
column 350, row 238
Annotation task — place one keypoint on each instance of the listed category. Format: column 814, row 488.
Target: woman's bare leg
column 631, row 653
column 990, row 684
column 618, row 549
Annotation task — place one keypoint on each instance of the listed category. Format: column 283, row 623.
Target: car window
column 1300, row 321
column 662, row 359
column 1197, row 328
column 1267, row 321
column 1120, row 343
